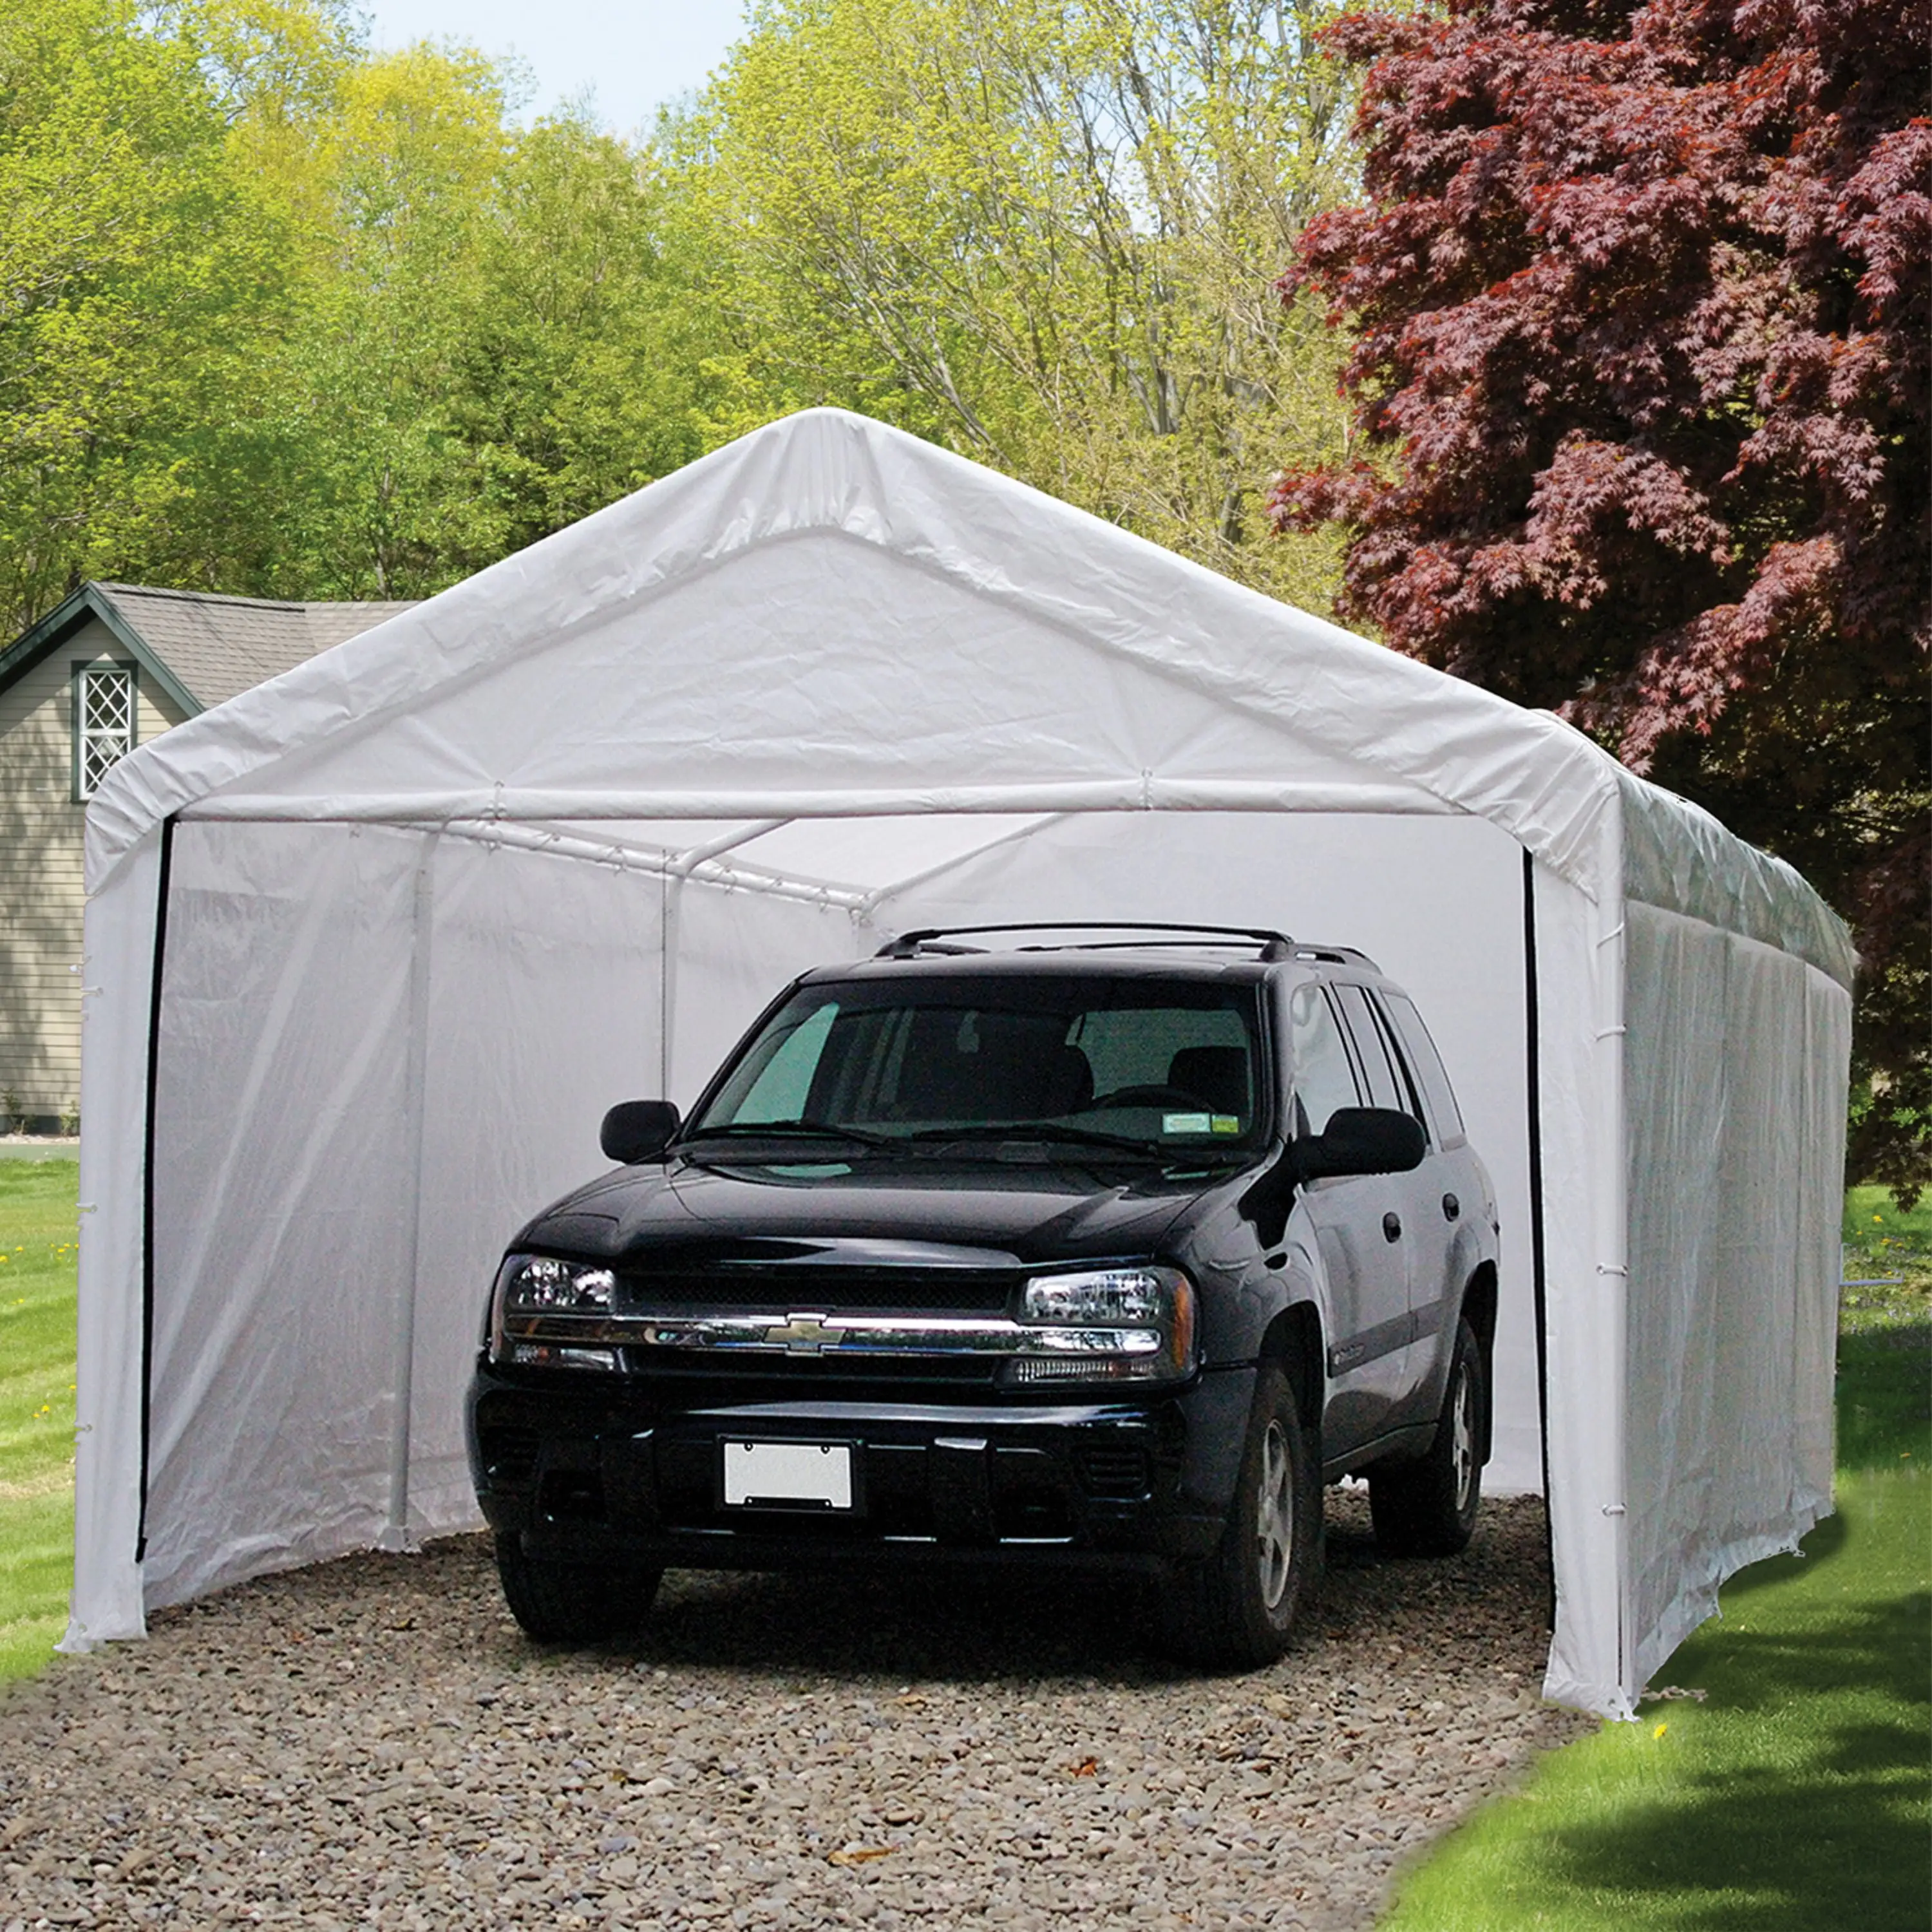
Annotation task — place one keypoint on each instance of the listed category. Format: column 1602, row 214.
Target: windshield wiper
column 790, row 1130
column 1041, row 1130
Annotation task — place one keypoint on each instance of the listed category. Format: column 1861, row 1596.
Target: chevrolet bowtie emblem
column 805, row 1335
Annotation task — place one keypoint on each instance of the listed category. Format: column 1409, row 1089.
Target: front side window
column 1323, row 1081
column 1157, row 1065
column 104, row 705
column 1373, row 1052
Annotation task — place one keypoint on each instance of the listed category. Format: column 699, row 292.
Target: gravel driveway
column 372, row 1743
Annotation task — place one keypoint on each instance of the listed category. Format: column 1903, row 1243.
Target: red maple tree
column 1639, row 297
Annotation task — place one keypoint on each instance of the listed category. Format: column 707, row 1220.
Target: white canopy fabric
column 371, row 948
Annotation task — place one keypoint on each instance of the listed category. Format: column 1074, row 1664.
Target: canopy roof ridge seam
column 1250, row 699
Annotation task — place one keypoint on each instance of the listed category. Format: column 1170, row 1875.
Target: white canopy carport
column 371, row 947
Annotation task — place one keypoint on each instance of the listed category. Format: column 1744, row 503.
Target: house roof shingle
column 218, row 646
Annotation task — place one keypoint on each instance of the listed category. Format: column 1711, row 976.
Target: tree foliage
column 123, row 238
column 1640, row 303
column 279, row 315
column 1042, row 231
column 285, row 315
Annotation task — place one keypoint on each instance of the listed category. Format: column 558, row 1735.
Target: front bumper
column 634, row 1472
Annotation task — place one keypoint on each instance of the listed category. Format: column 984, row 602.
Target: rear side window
column 1445, row 1118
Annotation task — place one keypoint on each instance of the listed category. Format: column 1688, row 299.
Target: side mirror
column 634, row 1130
column 1362, row 1140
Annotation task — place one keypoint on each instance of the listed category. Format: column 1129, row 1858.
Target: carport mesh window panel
column 104, row 723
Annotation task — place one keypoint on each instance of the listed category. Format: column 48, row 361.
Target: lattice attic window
column 103, row 699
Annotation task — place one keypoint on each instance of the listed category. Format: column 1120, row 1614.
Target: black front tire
column 1237, row 1610
column 1428, row 1507
column 573, row 1603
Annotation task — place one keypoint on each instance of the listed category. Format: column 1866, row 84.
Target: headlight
column 1125, row 1297
column 538, row 1285
column 1108, row 1324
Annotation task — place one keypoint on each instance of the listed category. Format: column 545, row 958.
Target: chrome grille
column 909, row 1290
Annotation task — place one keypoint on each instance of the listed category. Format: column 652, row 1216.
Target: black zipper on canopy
column 1533, row 1080
column 148, row 1171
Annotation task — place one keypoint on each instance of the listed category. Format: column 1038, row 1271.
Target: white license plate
column 788, row 1475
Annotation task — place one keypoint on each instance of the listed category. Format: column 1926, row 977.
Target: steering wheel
column 1151, row 1096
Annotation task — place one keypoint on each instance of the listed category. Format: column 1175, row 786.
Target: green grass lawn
column 37, row 1349
column 1794, row 1798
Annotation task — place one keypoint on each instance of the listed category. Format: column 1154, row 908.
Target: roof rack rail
column 1337, row 955
column 1274, row 945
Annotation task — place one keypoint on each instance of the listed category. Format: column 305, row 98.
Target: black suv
column 1097, row 1252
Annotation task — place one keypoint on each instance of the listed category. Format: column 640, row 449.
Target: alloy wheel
column 1462, row 1438
column 1274, row 1526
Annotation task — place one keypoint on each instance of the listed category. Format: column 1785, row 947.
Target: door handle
column 1451, row 1207
column 1391, row 1227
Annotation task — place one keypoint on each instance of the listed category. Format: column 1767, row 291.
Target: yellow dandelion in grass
column 1660, row 1731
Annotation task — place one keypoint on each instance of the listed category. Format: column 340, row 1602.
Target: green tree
column 489, row 345
column 137, row 266
column 407, row 161
column 1042, row 231
column 579, row 376
column 283, row 316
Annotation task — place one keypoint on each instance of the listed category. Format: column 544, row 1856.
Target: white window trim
column 81, row 669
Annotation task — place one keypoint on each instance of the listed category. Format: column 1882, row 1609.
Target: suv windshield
column 1172, row 1066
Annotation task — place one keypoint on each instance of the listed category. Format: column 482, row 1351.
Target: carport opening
column 459, row 1003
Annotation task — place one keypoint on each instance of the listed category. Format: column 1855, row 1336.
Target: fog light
column 1028, row 1369
column 552, row 1355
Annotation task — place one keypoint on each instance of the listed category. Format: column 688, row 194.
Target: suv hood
column 987, row 1214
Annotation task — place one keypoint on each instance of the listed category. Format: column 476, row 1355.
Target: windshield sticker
column 1183, row 1123
column 1227, row 1123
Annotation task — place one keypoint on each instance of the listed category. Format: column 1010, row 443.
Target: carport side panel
column 1733, row 1255
column 118, row 960
column 283, row 1192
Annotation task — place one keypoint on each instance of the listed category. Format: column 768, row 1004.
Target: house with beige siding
column 114, row 665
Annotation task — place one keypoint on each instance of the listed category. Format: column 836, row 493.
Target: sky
column 635, row 54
